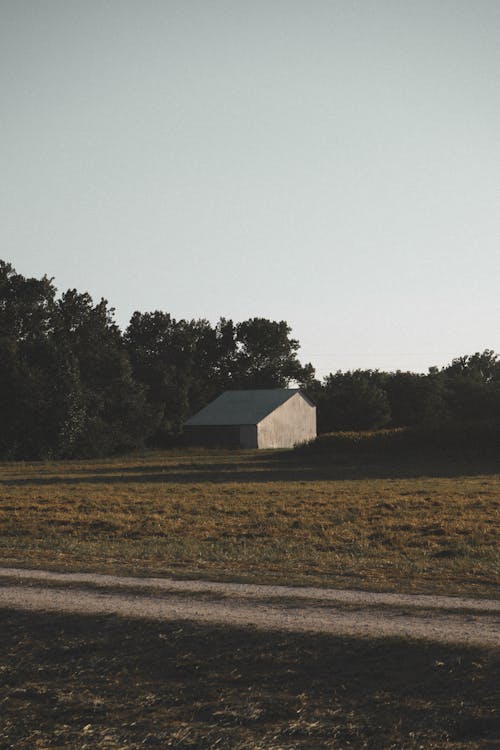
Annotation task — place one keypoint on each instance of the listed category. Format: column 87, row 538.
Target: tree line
column 72, row 384
column 465, row 392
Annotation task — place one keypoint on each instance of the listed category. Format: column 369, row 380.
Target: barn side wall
column 224, row 436
column 248, row 436
column 291, row 423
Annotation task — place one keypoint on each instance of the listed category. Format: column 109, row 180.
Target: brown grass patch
column 260, row 516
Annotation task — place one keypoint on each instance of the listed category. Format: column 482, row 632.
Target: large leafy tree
column 267, row 356
column 26, row 363
column 177, row 363
column 472, row 387
column 66, row 385
column 353, row 400
column 483, row 367
column 415, row 398
column 102, row 408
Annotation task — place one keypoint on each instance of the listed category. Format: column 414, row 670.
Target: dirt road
column 338, row 612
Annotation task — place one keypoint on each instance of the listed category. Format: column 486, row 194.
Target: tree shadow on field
column 278, row 466
column 69, row 677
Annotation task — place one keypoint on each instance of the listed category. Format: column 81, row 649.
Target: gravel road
column 465, row 621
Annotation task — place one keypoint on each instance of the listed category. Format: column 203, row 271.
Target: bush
column 478, row 438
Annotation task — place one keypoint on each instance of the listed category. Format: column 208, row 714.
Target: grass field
column 82, row 682
column 265, row 516
column 85, row 682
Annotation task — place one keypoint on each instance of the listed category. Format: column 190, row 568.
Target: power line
column 376, row 354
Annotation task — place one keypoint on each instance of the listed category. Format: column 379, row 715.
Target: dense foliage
column 466, row 392
column 73, row 385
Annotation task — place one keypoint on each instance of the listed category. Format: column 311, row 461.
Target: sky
column 331, row 163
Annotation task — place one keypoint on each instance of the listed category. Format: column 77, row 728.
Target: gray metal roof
column 241, row 407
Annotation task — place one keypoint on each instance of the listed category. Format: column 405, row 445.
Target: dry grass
column 261, row 516
column 83, row 682
column 105, row 682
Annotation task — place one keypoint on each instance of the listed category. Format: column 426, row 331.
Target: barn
column 264, row 418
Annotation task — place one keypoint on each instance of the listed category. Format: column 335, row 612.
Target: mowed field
column 82, row 681
column 259, row 516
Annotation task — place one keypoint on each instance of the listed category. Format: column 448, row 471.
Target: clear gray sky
column 335, row 164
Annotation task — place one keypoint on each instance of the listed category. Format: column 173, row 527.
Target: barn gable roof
column 242, row 407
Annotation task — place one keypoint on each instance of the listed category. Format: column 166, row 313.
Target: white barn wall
column 291, row 423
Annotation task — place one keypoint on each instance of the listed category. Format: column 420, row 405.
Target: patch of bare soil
column 453, row 620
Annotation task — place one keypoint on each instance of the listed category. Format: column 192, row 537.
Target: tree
column 101, row 408
column 267, row 356
column 415, row 398
column 177, row 362
column 472, row 387
column 483, row 367
column 352, row 401
column 26, row 306
column 66, row 386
